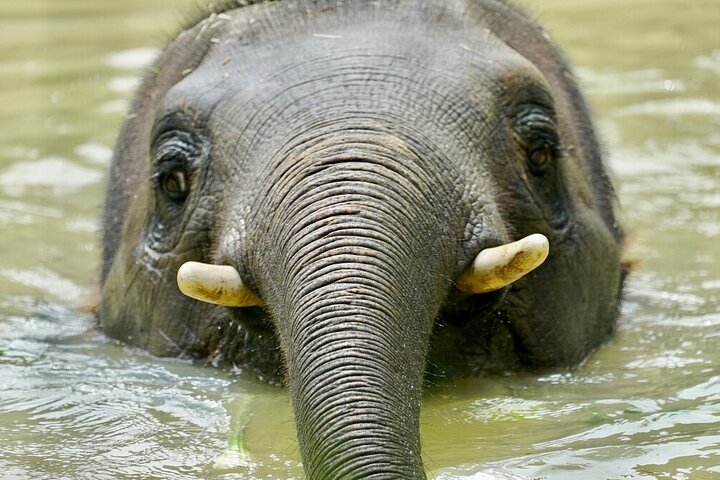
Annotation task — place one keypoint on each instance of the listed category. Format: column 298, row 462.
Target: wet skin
column 350, row 162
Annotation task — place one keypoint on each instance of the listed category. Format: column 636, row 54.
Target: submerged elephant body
column 347, row 162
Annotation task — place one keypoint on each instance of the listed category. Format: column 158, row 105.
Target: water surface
column 74, row 404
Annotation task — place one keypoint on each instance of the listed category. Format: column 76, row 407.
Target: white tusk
column 498, row 267
column 218, row 284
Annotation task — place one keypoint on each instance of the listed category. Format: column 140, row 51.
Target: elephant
column 356, row 199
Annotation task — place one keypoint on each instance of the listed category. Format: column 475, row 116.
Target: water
column 74, row 404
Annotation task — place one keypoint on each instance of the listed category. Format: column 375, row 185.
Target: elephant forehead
column 359, row 66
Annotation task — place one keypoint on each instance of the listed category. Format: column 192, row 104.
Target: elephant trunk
column 361, row 260
column 355, row 374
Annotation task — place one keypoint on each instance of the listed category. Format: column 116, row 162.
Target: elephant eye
column 535, row 127
column 174, row 154
column 175, row 185
column 540, row 158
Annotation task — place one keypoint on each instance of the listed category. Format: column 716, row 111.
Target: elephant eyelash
column 175, row 155
column 535, row 127
column 175, row 152
column 534, row 122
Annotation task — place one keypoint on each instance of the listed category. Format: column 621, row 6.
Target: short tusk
column 218, row 284
column 498, row 267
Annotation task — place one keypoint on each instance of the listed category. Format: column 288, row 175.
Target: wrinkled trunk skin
column 353, row 306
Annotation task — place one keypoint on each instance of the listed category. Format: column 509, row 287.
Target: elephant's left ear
column 498, row 267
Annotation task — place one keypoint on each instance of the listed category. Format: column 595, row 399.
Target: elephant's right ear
column 218, row 284
column 498, row 267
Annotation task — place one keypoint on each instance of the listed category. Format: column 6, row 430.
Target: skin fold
column 349, row 161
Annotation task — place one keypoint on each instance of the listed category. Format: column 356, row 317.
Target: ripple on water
column 672, row 108
column 124, row 84
column 46, row 281
column 630, row 82
column 17, row 212
column 627, row 439
column 95, row 152
column 132, row 59
column 651, row 159
column 115, row 106
column 54, row 172
column 709, row 62
column 66, row 401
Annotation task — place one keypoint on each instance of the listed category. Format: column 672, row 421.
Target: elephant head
column 355, row 192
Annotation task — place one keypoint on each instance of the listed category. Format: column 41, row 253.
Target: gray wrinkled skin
column 350, row 160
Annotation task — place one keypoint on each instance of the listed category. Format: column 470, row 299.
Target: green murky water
column 75, row 405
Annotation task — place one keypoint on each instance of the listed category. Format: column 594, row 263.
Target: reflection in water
column 76, row 405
